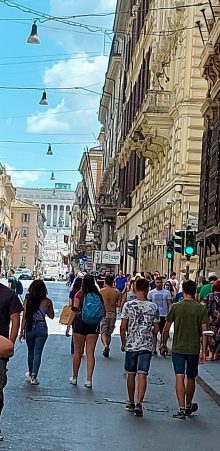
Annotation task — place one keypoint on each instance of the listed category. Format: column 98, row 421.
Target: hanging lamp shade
column 33, row 38
column 43, row 100
column 52, row 176
column 49, row 151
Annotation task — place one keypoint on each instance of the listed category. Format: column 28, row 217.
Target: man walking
column 162, row 299
column 139, row 316
column 10, row 309
column 112, row 299
column 120, row 281
column 190, row 321
column 12, row 281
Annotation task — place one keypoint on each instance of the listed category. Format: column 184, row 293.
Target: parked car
column 48, row 278
column 26, row 274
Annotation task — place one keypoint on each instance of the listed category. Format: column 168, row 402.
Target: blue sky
column 79, row 58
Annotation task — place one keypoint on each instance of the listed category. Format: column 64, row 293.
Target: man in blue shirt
column 120, row 281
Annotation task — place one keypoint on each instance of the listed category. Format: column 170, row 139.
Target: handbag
column 6, row 347
column 65, row 315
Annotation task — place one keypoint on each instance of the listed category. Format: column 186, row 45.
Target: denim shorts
column 186, row 364
column 137, row 362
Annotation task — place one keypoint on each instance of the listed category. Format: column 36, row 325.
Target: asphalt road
column 55, row 416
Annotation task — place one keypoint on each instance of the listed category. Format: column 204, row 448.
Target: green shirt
column 206, row 289
column 12, row 280
column 188, row 317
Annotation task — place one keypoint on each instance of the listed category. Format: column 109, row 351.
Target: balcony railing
column 157, row 101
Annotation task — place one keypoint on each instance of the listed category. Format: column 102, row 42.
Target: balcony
column 157, row 101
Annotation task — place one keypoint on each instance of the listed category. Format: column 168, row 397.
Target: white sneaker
column 73, row 380
column 88, row 384
column 28, row 377
column 34, row 381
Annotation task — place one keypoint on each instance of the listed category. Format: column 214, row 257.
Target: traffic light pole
column 187, row 268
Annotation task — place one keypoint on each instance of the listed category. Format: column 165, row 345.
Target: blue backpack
column 19, row 288
column 92, row 311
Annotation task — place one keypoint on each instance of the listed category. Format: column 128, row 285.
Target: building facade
column 28, row 236
column 56, row 204
column 84, row 238
column 158, row 151
column 7, row 194
column 209, row 210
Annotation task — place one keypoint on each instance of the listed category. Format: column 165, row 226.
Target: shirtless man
column 112, row 299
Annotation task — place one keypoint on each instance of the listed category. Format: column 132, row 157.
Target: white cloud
column 78, row 108
column 21, row 178
column 50, row 121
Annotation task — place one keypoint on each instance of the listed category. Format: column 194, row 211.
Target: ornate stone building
column 209, row 212
column 56, row 204
column 159, row 148
column 7, row 194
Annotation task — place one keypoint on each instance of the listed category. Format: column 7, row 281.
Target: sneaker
column 180, row 414
column 106, row 352
column 73, row 380
column 189, row 410
column 28, row 376
column 1, row 437
column 130, row 407
column 34, row 380
column 88, row 384
column 138, row 410
column 155, row 353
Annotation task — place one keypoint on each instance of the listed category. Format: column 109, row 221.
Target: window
column 12, row 215
column 25, row 217
column 23, row 259
column 24, row 231
column 24, row 245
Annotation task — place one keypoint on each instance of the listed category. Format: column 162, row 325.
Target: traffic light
column 132, row 248
column 170, row 249
column 179, row 241
column 190, row 245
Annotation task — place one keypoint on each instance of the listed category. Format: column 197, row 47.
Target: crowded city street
column 67, row 418
column 109, row 225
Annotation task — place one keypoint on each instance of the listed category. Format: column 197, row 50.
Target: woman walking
column 212, row 302
column 75, row 287
column 88, row 311
column 34, row 326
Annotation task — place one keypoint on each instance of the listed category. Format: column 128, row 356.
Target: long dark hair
column 89, row 286
column 77, row 284
column 36, row 294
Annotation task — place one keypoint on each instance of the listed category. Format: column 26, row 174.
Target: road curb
column 209, row 385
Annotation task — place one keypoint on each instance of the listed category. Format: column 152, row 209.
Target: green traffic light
column 189, row 250
column 169, row 255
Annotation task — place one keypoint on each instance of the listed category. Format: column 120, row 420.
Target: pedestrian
column 34, row 327
column 212, row 302
column 120, row 282
column 163, row 300
column 88, row 311
column 207, row 288
column 12, row 281
column 10, row 309
column 71, row 278
column 112, row 300
column 190, row 321
column 138, row 318
column 168, row 286
column 173, row 279
column 153, row 281
column 75, row 287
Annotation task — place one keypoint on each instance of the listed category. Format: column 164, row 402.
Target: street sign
column 160, row 242
column 111, row 258
column 97, row 257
